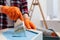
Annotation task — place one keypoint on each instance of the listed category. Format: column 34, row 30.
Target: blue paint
column 10, row 35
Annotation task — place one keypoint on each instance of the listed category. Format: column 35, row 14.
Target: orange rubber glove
column 29, row 24
column 12, row 12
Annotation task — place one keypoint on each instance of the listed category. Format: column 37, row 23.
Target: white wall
column 52, row 8
column 59, row 9
column 49, row 8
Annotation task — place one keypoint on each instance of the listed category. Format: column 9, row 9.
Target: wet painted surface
column 10, row 35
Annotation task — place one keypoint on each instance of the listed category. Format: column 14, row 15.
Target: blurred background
column 51, row 9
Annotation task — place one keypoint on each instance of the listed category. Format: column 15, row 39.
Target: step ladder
column 36, row 3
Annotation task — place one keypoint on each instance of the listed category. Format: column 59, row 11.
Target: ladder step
column 35, row 3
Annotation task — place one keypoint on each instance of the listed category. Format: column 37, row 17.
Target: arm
column 28, row 23
column 14, row 13
column 0, row 8
column 24, row 8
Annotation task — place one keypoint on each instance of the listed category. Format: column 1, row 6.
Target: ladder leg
column 32, row 5
column 42, row 15
column 31, row 9
column 32, row 12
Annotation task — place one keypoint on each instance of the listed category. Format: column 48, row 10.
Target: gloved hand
column 12, row 12
column 29, row 24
